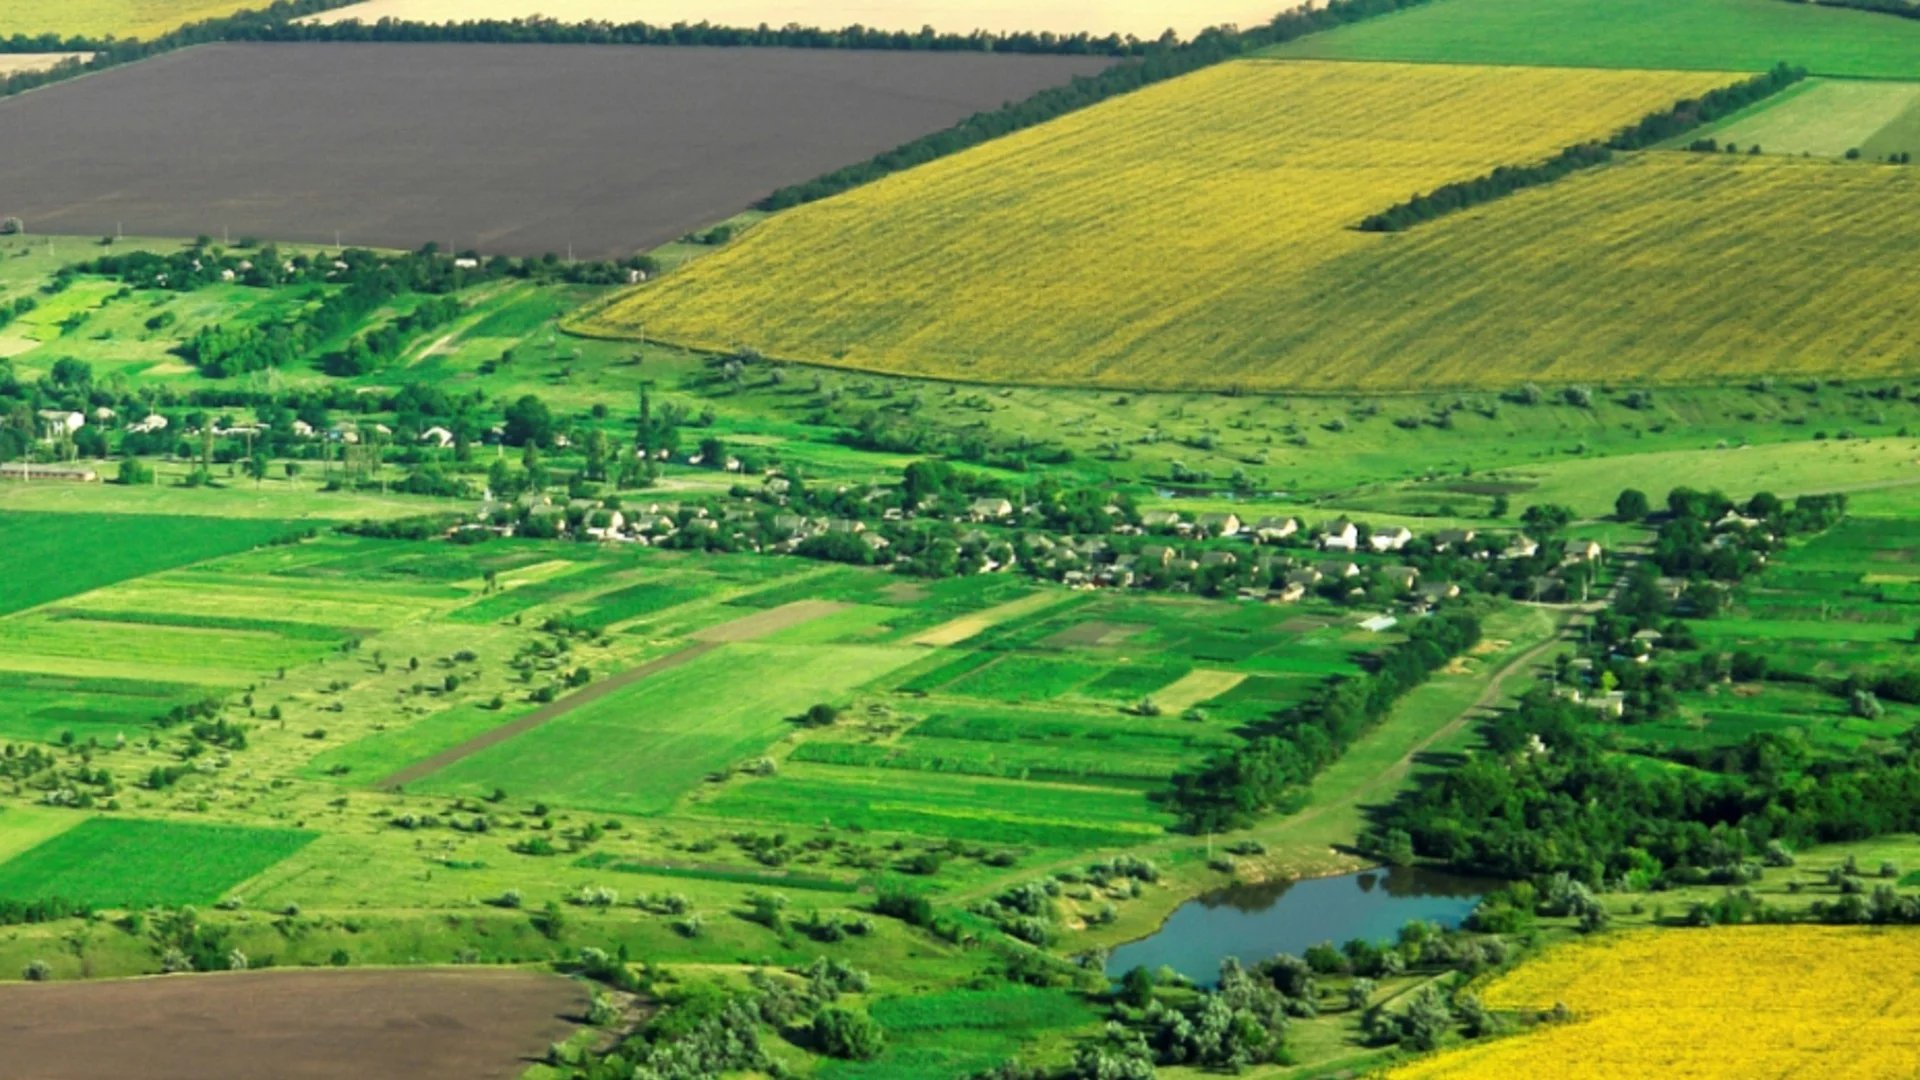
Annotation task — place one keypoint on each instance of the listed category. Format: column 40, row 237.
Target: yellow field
column 1729, row 1004
column 145, row 19
column 14, row 63
column 1141, row 18
column 1162, row 239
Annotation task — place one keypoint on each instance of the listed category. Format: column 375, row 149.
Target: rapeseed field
column 1165, row 239
column 1726, row 1004
column 144, row 19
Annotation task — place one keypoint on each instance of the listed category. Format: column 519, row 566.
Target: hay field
column 1152, row 241
column 16, row 63
column 1141, row 18
column 145, row 19
column 1810, row 1001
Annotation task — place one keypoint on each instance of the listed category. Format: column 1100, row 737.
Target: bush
column 37, row 971
column 843, row 1033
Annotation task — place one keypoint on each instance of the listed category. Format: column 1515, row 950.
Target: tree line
column 1651, row 130
column 1233, row 787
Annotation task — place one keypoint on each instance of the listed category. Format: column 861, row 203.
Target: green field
column 645, row 747
column 72, row 554
column 1715, row 35
column 1831, row 117
column 132, row 863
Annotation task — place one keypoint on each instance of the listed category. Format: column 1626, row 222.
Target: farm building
column 72, row 474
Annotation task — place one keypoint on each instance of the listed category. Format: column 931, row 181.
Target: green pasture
column 1831, row 117
column 1712, row 35
column 938, row 805
column 60, row 555
column 136, row 863
column 644, row 747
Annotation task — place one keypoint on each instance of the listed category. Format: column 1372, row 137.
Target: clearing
column 1019, row 260
column 1145, row 19
column 511, row 149
column 300, row 1025
column 1723, row 35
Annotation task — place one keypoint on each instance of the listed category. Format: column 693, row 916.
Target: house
column 1272, row 528
column 1338, row 568
column 1452, row 538
column 1304, row 578
column 1219, row 524
column 1438, row 591
column 1219, row 558
column 1648, row 638
column 792, row 524
column 437, row 436
column 1735, row 520
column 875, row 541
column 60, row 423
column 1613, row 704
column 1521, row 547
column 301, row 429
column 1379, row 624
column 102, row 414
column 1580, row 551
column 466, row 264
column 70, row 474
column 1160, row 519
column 151, row 423
column 1342, row 535
column 1393, row 539
column 990, row 509
column 846, row 526
column 605, row 524
column 1290, row 593
column 1404, row 577
column 1156, row 554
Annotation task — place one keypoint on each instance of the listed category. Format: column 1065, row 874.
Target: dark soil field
column 509, row 149
column 290, row 1025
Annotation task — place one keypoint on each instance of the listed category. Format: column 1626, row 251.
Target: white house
column 1340, row 536
column 1390, row 539
column 1522, row 547
column 153, row 422
column 437, row 436
column 60, row 422
column 1273, row 528
column 1220, row 524
column 989, row 509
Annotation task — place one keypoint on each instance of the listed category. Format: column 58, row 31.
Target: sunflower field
column 1726, row 1004
column 1174, row 237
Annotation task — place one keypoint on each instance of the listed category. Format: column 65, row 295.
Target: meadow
column 133, row 863
column 1656, row 1002
column 1018, row 260
column 1716, row 35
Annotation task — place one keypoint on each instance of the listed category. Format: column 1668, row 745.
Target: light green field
column 131, row 863
column 643, row 748
column 1716, row 35
column 1829, row 118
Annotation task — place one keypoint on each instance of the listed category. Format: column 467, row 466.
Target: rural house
column 1393, row 539
column 990, row 509
column 1342, row 535
column 1219, row 524
column 1272, row 528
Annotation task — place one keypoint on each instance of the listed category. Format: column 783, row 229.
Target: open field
column 1723, row 35
column 15, row 63
column 1830, row 117
column 307, row 1025
column 135, row 863
column 938, row 272
column 1656, row 1003
column 559, row 160
column 145, row 19
column 1146, row 19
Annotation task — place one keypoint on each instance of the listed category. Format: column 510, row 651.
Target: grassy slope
column 1717, row 35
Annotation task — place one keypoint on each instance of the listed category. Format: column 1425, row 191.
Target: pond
column 1254, row 922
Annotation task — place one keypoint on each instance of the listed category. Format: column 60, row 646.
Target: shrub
column 843, row 1033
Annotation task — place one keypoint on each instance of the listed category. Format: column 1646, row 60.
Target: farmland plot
column 1022, row 259
column 137, row 863
column 554, row 156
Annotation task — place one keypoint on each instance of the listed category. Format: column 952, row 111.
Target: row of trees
column 1652, row 129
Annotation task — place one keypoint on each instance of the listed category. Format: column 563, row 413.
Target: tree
column 292, row 469
column 1632, row 505
column 1546, row 519
column 1136, row 987
column 1501, row 506
column 843, row 1033
column 528, row 423
column 598, row 451
column 257, row 467
column 134, row 471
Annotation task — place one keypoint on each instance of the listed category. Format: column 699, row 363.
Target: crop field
column 538, row 181
column 60, row 555
column 1830, row 117
column 1656, row 1003
column 145, row 19
column 301, row 1025
column 1145, row 19
column 937, row 271
column 136, row 863
column 15, row 63
column 1722, row 35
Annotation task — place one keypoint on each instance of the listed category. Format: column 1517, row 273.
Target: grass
column 885, row 278
column 645, row 747
column 1827, row 119
column 1716, row 35
column 76, row 553
column 132, row 863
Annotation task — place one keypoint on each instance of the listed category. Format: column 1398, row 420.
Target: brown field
column 1141, row 18
column 15, row 63
column 288, row 1025
column 512, row 149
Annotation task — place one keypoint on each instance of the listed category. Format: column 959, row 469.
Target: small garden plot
column 45, row 707
column 1152, row 735
column 633, row 602
column 1131, row 682
column 933, row 805
column 1018, row 677
column 126, row 863
column 1197, row 688
column 1094, row 635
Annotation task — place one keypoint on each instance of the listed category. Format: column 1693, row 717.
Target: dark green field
column 132, row 863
